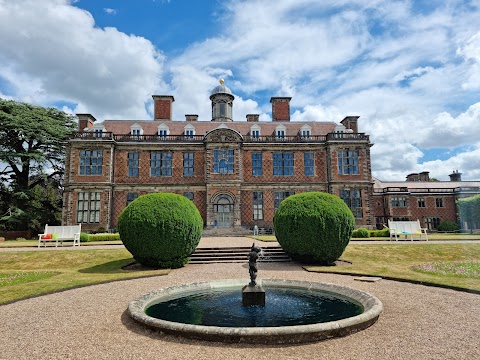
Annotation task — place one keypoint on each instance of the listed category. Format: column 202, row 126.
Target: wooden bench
column 406, row 228
column 60, row 234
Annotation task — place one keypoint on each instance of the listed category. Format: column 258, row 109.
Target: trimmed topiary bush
column 361, row 233
column 385, row 232
column 314, row 227
column 448, row 226
column 161, row 229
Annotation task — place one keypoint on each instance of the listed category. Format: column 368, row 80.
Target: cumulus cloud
column 411, row 71
column 53, row 51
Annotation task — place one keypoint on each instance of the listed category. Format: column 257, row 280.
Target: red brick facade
column 236, row 173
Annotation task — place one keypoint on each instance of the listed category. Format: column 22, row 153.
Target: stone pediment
column 223, row 135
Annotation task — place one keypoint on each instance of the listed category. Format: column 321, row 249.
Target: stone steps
column 236, row 254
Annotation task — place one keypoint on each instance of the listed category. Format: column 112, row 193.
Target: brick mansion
column 238, row 171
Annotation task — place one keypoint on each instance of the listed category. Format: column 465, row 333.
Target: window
column 189, row 131
column 347, row 162
column 280, row 134
column 188, row 161
column 283, row 164
column 188, row 195
column 353, row 198
column 162, row 131
column 223, row 161
column 399, row 201
column 91, row 162
column 161, row 163
column 97, row 133
column 131, row 197
column 88, row 207
column 162, row 134
column 255, row 131
column 421, row 202
column 257, row 205
column 133, row 164
column 305, row 132
column 432, row 223
column 136, row 130
column 279, row 196
column 257, row 164
column 308, row 161
column 439, row 202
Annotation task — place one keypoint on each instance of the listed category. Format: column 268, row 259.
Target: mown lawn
column 453, row 265
column 31, row 273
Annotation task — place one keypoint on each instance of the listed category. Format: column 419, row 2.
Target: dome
column 221, row 89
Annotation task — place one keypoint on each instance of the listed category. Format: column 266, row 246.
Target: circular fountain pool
column 295, row 311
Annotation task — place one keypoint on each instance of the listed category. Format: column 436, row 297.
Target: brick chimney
column 413, row 177
column 425, row 176
column 252, row 117
column 85, row 121
column 191, row 117
column 280, row 108
column 455, row 176
column 351, row 122
column 162, row 105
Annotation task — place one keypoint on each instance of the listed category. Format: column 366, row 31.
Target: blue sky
column 409, row 69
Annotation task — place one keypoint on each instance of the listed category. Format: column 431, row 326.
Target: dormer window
column 305, row 132
column 255, row 131
column 280, row 132
column 98, row 130
column 189, row 131
column 162, row 131
column 136, row 131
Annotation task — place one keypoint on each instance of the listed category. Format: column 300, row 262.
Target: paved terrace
column 418, row 322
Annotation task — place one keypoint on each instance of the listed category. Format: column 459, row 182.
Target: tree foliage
column 32, row 155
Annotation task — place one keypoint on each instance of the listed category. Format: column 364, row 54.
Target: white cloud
column 52, row 51
column 411, row 74
column 110, row 11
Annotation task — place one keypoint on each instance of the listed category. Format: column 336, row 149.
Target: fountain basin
column 372, row 307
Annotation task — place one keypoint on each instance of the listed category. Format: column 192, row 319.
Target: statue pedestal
column 253, row 295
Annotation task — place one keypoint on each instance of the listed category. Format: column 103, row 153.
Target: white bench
column 60, row 234
column 406, row 228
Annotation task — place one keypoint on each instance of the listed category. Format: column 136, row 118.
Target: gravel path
column 418, row 322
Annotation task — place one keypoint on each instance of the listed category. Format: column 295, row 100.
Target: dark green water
column 283, row 307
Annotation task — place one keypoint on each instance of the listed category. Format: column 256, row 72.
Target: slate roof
column 150, row 127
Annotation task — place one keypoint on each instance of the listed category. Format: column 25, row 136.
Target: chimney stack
column 191, row 117
column 280, row 108
column 455, row 176
column 252, row 117
column 351, row 122
column 162, row 105
column 424, row 176
column 413, row 177
column 85, row 121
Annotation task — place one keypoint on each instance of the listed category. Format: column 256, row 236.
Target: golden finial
column 222, row 81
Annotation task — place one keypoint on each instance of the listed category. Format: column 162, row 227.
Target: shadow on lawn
column 108, row 267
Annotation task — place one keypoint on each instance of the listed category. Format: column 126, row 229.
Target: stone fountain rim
column 373, row 307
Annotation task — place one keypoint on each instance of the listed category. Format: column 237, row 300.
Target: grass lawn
column 456, row 265
column 30, row 273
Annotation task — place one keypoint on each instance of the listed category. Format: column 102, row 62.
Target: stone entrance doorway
column 223, row 211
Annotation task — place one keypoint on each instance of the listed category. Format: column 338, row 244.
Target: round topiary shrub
column 314, row 227
column 161, row 229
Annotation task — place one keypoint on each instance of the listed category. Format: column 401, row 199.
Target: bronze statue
column 252, row 263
